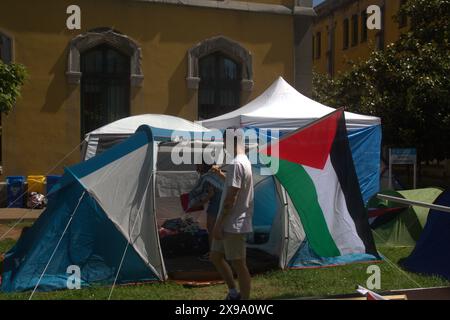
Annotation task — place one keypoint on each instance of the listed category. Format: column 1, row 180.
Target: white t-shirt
column 239, row 175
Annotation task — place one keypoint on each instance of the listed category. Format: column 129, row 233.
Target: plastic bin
column 36, row 184
column 51, row 181
column 16, row 191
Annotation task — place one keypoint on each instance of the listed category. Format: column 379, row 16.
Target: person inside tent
column 235, row 218
column 208, row 189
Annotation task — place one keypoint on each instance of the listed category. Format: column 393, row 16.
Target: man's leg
column 244, row 278
column 210, row 223
column 218, row 259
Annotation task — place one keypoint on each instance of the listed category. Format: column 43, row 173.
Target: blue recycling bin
column 51, row 181
column 16, row 191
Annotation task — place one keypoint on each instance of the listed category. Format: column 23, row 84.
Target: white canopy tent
column 284, row 108
column 163, row 125
column 281, row 106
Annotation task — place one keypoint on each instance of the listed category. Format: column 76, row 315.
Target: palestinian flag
column 316, row 169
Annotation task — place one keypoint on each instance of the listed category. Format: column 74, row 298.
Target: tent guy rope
column 22, row 217
column 394, row 266
column 57, row 245
column 49, row 171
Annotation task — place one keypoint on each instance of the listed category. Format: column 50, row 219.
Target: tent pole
column 413, row 203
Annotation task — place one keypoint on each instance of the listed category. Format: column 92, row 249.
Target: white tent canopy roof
column 281, row 106
column 105, row 137
column 131, row 124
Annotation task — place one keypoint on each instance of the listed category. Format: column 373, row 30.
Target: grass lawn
column 272, row 285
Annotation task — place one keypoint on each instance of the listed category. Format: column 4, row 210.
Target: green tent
column 402, row 228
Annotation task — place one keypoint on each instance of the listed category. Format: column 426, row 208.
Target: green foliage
column 12, row 77
column 407, row 84
column 5, row 245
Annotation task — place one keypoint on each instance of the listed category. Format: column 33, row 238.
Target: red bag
column 163, row 232
column 184, row 198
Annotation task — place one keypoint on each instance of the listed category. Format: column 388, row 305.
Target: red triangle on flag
column 309, row 146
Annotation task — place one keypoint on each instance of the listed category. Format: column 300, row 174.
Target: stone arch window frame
column 227, row 46
column 91, row 39
column 6, row 41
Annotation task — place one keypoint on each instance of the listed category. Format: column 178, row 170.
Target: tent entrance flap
column 182, row 251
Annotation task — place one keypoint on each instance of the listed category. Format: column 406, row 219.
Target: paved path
column 13, row 214
column 9, row 216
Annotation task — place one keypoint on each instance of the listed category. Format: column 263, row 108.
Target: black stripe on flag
column 342, row 160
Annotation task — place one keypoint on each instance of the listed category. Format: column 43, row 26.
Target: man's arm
column 229, row 202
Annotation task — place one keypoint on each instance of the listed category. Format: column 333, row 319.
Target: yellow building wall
column 286, row 3
column 45, row 124
column 343, row 58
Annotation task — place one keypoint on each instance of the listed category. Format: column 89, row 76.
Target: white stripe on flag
column 332, row 201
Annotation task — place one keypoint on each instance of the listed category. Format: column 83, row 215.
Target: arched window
column 5, row 48
column 105, row 87
column 220, row 85
column 99, row 36
column 219, row 69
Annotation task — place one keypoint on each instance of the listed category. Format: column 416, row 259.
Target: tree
column 12, row 77
column 407, row 84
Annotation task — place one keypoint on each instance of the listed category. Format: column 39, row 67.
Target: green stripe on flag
column 302, row 192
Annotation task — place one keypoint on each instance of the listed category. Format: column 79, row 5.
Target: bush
column 12, row 77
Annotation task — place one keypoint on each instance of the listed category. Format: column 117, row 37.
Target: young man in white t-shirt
column 235, row 219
